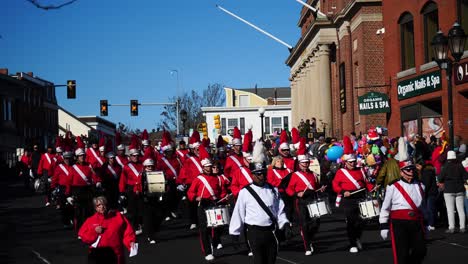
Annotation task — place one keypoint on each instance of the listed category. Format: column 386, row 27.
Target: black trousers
column 152, row 216
column 354, row 222
column 111, row 192
column 82, row 204
column 264, row 244
column 135, row 207
column 408, row 242
column 208, row 236
column 288, row 206
column 172, row 197
column 45, row 186
column 102, row 255
column 309, row 226
column 66, row 210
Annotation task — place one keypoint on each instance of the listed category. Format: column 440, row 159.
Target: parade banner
column 422, row 84
column 373, row 103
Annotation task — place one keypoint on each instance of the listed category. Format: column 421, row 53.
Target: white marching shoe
column 353, row 250
column 209, row 257
column 220, row 246
column 250, row 254
column 193, row 226
column 309, row 252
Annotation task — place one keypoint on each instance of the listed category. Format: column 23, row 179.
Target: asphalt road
column 31, row 233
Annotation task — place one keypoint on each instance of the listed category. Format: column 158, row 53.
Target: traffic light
column 204, row 130
column 133, row 107
column 71, row 89
column 104, row 108
column 217, row 122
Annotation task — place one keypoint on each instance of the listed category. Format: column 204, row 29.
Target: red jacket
column 77, row 179
column 182, row 154
column 231, row 167
column 240, row 179
column 296, row 184
column 290, row 163
column 341, row 183
column 45, row 164
column 189, row 170
column 26, row 160
column 62, row 175
column 129, row 177
column 168, row 171
column 96, row 161
column 118, row 232
column 198, row 189
column 121, row 160
column 111, row 173
column 276, row 178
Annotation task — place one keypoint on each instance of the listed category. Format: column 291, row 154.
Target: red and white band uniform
column 402, row 214
column 240, row 178
column 61, row 179
column 276, row 175
column 182, row 154
column 303, row 186
column 45, row 165
column 93, row 157
column 131, row 184
column 170, row 165
column 206, row 190
column 232, row 164
column 190, row 170
column 110, row 175
column 290, row 163
column 122, row 160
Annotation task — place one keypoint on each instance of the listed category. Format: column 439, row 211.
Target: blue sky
column 120, row 50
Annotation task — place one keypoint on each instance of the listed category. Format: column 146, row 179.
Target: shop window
column 406, row 41
column 431, row 26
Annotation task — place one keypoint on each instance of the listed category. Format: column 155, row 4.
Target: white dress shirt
column 248, row 211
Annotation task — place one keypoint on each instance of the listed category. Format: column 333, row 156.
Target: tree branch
column 49, row 7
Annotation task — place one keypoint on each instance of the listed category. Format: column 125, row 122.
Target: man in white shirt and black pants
column 249, row 213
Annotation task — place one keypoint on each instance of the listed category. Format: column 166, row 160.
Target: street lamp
column 183, row 117
column 261, row 111
column 440, row 44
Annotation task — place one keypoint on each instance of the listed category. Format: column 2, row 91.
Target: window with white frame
column 276, row 124
column 232, row 122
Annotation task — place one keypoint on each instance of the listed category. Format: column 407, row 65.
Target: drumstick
column 360, row 190
column 225, row 197
column 199, row 202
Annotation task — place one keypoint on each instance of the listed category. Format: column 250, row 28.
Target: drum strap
column 63, row 169
column 263, row 205
column 406, row 195
column 119, row 161
column 304, row 179
column 112, row 171
column 246, row 175
column 137, row 174
column 195, row 162
column 207, row 186
column 48, row 158
column 96, row 156
column 351, row 179
column 169, row 165
column 82, row 175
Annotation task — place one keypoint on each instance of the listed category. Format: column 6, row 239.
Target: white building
column 85, row 125
column 242, row 110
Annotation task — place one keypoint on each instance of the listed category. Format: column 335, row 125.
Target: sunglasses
column 351, row 161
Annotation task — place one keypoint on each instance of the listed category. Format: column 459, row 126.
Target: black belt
column 261, row 228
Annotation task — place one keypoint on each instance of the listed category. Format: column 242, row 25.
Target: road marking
column 288, row 261
column 453, row 244
column 40, row 257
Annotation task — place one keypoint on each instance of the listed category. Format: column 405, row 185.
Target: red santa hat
column 204, row 157
column 206, row 142
column 118, row 141
column 102, row 143
column 145, row 138
column 283, row 140
column 58, row 144
column 347, row 145
column 148, row 157
column 194, row 141
column 295, row 138
column 166, row 143
column 220, row 143
column 80, row 147
column 372, row 134
column 237, row 139
column 133, row 149
column 247, row 146
column 301, row 151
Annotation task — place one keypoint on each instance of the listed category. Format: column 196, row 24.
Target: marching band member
column 190, row 170
column 110, row 175
column 93, row 155
column 242, row 176
column 249, row 214
column 236, row 159
column 402, row 214
column 107, row 232
column 347, row 181
column 170, row 165
column 153, row 207
column 205, row 190
column 44, row 170
column 182, row 151
column 284, row 151
column 82, row 178
column 130, row 183
column 121, row 158
column 218, row 171
column 302, row 186
column 60, row 180
column 221, row 151
column 276, row 173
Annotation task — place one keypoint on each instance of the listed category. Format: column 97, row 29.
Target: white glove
column 180, row 187
column 384, row 234
column 70, row 200
column 98, row 185
column 49, row 180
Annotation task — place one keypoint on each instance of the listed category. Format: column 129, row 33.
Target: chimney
column 30, row 74
column 4, row 71
column 256, row 90
column 276, row 97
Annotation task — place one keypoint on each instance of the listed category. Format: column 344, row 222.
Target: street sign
column 461, row 73
column 230, row 132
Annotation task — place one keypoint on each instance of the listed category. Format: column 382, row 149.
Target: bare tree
column 46, row 7
column 190, row 102
column 214, row 95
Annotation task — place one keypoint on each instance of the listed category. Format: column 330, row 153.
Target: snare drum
column 217, row 216
column 156, row 182
column 318, row 208
column 369, row 208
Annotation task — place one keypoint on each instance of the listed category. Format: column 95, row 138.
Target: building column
column 325, row 87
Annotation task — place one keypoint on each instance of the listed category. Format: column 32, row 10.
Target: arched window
column 431, row 26
column 406, row 40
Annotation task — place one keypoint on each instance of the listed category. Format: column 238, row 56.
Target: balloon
column 334, row 153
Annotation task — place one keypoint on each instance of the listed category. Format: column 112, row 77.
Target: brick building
column 338, row 58
column 419, row 97
column 28, row 113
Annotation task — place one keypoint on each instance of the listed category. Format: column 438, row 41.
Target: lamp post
column 261, row 111
column 177, row 100
column 440, row 44
column 183, row 117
